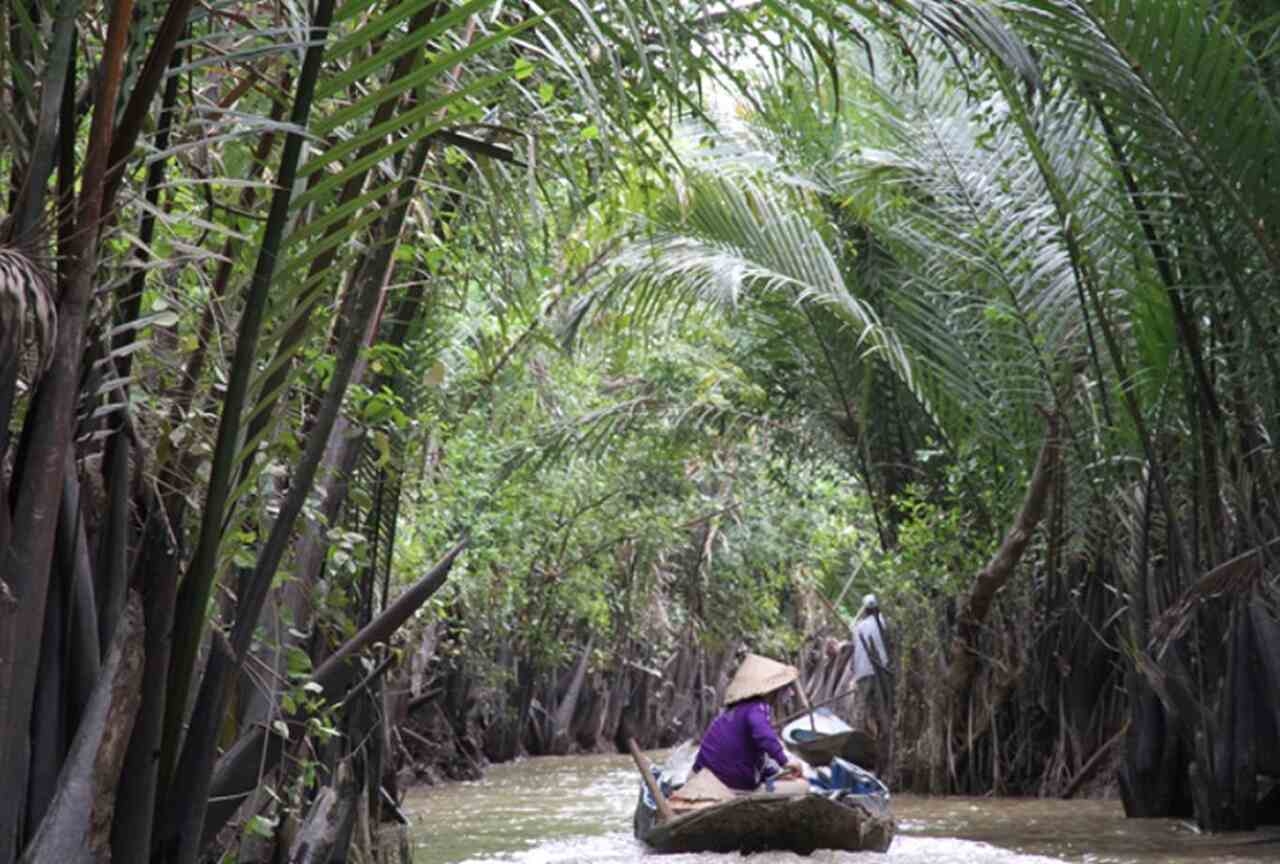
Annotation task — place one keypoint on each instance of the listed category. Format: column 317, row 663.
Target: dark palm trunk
column 342, row 454
column 47, row 438
column 193, row 597
column 113, row 546
column 48, row 717
column 77, row 827
column 145, row 87
column 29, row 209
column 199, row 753
column 301, row 319
column 236, row 775
column 157, row 578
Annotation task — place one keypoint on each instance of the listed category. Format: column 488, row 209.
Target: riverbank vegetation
column 392, row 387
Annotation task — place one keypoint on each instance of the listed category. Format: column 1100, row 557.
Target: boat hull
column 760, row 822
column 852, row 746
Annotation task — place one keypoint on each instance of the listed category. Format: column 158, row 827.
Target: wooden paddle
column 646, row 774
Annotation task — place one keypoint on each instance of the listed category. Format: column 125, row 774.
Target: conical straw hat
column 757, row 676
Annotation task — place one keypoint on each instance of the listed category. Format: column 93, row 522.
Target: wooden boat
column 826, row 736
column 840, row 807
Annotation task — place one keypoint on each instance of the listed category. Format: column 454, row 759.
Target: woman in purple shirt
column 736, row 744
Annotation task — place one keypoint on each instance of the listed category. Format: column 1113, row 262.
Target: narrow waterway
column 577, row 810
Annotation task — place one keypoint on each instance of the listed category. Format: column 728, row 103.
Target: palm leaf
column 1181, row 73
column 730, row 237
column 28, row 309
column 971, row 177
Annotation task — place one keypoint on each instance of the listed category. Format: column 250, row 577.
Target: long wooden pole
column 646, row 773
column 848, row 583
column 804, row 700
column 809, row 709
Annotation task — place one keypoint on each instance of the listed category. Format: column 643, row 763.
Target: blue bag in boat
column 842, row 776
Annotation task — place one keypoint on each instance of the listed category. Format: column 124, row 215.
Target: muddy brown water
column 577, row 810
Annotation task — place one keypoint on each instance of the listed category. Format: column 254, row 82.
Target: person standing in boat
column 740, row 746
column 868, row 636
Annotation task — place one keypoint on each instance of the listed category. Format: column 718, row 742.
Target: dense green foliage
column 692, row 323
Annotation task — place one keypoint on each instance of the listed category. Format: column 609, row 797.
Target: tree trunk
column 69, row 661
column 977, row 602
column 145, row 86
column 49, row 718
column 1150, row 774
column 391, row 845
column 29, row 208
column 157, row 576
column 85, row 658
column 25, row 559
column 341, row 455
column 319, row 833
column 563, row 717
column 77, row 828
column 310, row 298
column 1266, row 636
column 1243, row 761
column 590, row 731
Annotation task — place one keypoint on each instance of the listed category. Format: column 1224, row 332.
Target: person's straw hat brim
column 758, row 676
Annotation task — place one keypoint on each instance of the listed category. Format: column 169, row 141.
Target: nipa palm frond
column 731, row 236
column 27, row 307
column 1180, row 73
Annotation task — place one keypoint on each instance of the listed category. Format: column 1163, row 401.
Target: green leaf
column 261, row 826
column 298, row 662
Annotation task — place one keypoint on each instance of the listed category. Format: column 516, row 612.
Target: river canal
column 577, row 810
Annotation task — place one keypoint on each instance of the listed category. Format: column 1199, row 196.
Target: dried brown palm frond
column 28, row 309
column 1241, row 575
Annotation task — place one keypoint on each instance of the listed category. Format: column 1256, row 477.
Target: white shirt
column 867, row 629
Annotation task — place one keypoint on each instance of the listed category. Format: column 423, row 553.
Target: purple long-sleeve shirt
column 737, row 741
